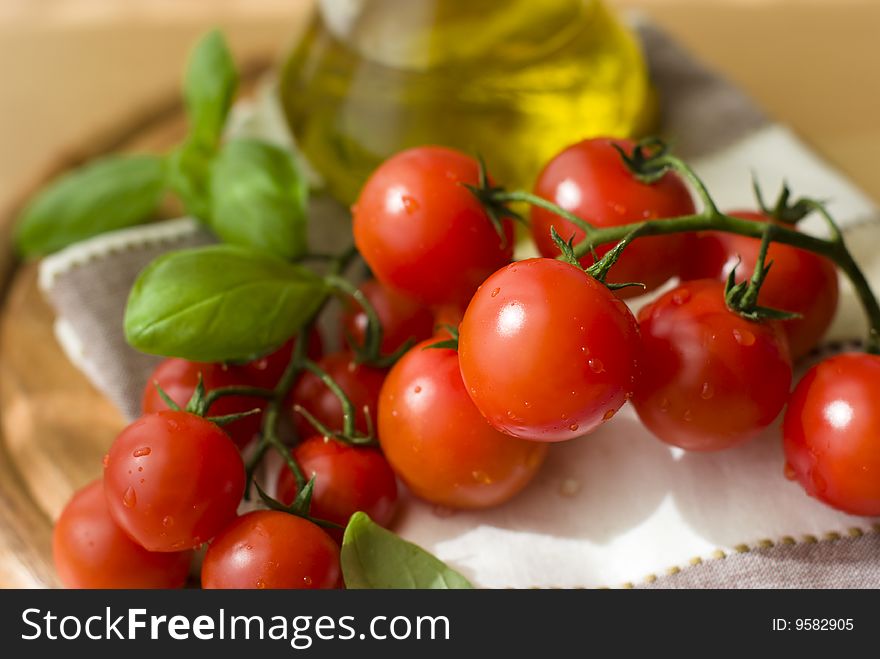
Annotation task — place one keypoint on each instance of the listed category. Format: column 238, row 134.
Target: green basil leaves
column 258, row 198
column 373, row 557
column 219, row 303
column 209, row 87
column 111, row 193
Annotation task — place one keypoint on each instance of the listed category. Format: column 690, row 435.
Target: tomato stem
column 650, row 161
column 349, row 432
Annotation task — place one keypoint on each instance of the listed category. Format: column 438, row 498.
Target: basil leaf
column 373, row 557
column 208, row 88
column 107, row 194
column 219, row 303
column 258, row 198
column 189, row 168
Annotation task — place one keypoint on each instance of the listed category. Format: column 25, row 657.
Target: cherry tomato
column 547, row 352
column 437, row 442
column 401, row 317
column 799, row 281
column 590, row 180
column 347, row 479
column 710, row 378
column 360, row 383
column 179, row 377
column 91, row 551
column 173, row 480
column 266, row 371
column 422, row 232
column 832, row 433
column 271, row 549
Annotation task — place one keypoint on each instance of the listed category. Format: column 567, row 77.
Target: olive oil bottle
column 512, row 80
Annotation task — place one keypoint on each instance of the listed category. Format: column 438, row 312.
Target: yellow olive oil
column 512, row 80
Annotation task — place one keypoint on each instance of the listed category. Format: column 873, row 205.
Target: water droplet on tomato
column 495, row 291
column 168, row 521
column 526, row 403
column 608, row 414
column 307, row 580
column 707, row 391
column 129, row 498
column 141, row 452
column 744, row 337
column 789, row 472
column 680, row 297
column 665, row 405
column 596, row 365
column 410, row 204
column 569, row 487
column 688, row 415
column 481, row 477
column 261, row 584
column 573, row 427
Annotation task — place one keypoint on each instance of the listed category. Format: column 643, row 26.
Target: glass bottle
column 512, row 80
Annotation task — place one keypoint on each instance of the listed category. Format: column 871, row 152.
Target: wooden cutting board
column 54, row 426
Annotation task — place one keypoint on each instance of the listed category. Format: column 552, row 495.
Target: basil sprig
column 251, row 193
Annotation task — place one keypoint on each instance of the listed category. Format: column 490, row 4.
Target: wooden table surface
column 72, row 69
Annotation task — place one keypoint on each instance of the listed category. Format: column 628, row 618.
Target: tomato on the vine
column 359, row 382
column 91, row 551
column 424, row 233
column 548, row 353
column 437, row 442
column 348, row 479
column 272, row 549
column 710, row 378
column 799, row 281
column 178, row 378
column 832, row 433
column 591, row 180
column 173, row 480
column 401, row 317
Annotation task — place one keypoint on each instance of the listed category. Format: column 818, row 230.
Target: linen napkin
column 617, row 507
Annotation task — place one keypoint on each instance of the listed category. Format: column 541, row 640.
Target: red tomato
column 271, row 549
column 710, row 378
column 401, row 317
column 799, row 281
column 422, row 232
column 547, row 352
column 173, row 480
column 832, row 433
column 90, row 551
column 437, row 442
column 266, row 371
column 590, row 180
column 360, row 383
column 178, row 378
column 347, row 479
